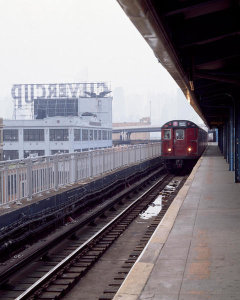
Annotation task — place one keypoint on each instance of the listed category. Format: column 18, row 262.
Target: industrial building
column 70, row 118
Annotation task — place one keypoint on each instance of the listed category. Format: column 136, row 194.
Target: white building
column 57, row 122
column 48, row 136
column 1, row 139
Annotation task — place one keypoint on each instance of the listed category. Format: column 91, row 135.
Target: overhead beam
column 215, row 107
column 216, row 95
column 209, row 40
column 216, row 123
column 202, row 30
column 210, row 86
column 200, row 9
column 217, row 77
column 224, row 89
column 217, row 63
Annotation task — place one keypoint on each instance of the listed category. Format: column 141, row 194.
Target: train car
column 183, row 142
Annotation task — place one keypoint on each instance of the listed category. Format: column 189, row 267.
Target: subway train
column 183, row 142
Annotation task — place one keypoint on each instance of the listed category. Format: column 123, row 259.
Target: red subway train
column 183, row 142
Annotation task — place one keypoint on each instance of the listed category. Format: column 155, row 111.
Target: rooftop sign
column 28, row 92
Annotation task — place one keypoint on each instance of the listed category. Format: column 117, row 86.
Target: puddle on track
column 154, row 208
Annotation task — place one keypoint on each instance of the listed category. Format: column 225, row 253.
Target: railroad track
column 30, row 230
column 58, row 272
column 100, row 202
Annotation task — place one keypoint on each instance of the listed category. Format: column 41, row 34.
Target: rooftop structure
column 38, row 101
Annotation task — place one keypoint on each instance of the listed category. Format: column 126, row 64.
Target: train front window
column 167, row 134
column 179, row 133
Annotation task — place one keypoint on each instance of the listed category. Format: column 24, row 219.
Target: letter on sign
column 52, row 89
column 74, row 90
column 17, row 96
column 41, row 86
column 62, row 90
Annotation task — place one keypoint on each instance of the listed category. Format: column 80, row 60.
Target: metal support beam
column 225, row 140
column 237, row 141
column 227, row 150
column 220, row 138
column 231, row 139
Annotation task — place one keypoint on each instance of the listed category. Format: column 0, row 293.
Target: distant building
column 134, row 136
column 1, row 139
column 65, row 118
column 23, row 138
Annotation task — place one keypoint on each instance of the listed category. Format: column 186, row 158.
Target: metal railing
column 25, row 178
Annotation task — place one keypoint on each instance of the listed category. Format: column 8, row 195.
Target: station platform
column 195, row 251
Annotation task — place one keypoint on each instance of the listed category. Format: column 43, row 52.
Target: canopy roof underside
column 198, row 43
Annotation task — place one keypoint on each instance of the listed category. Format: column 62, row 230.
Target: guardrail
column 25, row 178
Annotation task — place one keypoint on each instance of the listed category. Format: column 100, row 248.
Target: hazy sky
column 58, row 41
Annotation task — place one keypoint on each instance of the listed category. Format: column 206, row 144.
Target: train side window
column 167, row 134
column 179, row 133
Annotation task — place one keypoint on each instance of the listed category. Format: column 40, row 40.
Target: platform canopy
column 198, row 43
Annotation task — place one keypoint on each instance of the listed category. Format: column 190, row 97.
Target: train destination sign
column 29, row 92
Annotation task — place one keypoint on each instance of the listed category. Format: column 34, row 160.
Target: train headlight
column 169, row 149
column 189, row 149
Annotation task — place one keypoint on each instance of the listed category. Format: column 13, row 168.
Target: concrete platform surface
column 195, row 252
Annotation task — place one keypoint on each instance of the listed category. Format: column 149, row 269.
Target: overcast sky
column 58, row 41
